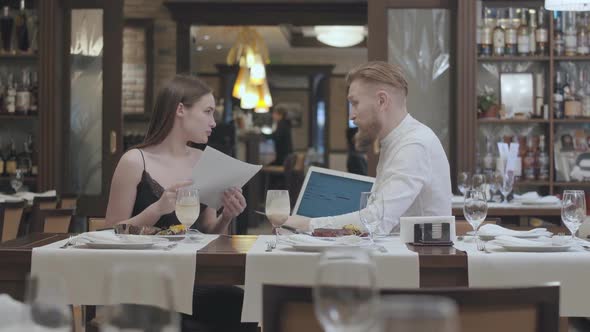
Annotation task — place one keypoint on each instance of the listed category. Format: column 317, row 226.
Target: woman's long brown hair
column 183, row 89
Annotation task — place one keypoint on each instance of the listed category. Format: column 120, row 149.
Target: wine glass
column 416, row 313
column 573, row 210
column 507, row 182
column 345, row 294
column 130, row 284
column 371, row 212
column 278, row 208
column 496, row 182
column 47, row 306
column 463, row 182
column 478, row 181
column 17, row 181
column 187, row 208
column 475, row 210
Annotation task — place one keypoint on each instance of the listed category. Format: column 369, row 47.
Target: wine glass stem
column 277, row 229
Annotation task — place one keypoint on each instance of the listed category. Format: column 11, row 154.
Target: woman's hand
column 234, row 203
column 167, row 202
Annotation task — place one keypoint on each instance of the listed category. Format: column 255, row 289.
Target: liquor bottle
column 32, row 156
column 23, row 161
column 34, row 95
column 33, row 26
column 488, row 159
column 582, row 37
column 532, row 31
column 479, row 27
column 539, row 95
column 22, row 31
column 585, row 85
column 558, row 41
column 558, row 96
column 23, row 95
column 541, row 34
column 498, row 35
column 11, row 164
column 529, row 161
column 570, row 34
column 6, row 26
column 523, row 35
column 510, row 34
column 486, row 35
column 543, row 160
column 10, row 98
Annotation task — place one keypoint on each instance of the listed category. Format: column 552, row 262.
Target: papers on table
column 215, row 172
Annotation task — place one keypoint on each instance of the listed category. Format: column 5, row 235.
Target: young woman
column 143, row 189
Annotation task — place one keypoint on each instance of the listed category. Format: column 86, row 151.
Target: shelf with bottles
column 26, row 179
column 572, row 184
column 496, row 58
column 511, row 121
column 531, row 183
column 13, row 161
column 18, row 116
column 574, row 120
column 19, row 30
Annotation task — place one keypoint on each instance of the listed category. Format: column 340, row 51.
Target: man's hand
column 298, row 222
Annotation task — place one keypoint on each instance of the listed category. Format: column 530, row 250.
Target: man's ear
column 383, row 99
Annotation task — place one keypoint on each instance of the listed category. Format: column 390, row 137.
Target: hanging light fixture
column 568, row 5
column 340, row 35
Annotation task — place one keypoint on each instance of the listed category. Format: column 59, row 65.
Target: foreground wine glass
column 345, row 294
column 187, row 208
column 47, row 307
column 417, row 313
column 278, row 207
column 573, row 210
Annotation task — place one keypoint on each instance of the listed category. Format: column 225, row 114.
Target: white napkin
column 297, row 239
column 495, row 230
column 531, row 195
column 550, row 199
column 505, row 240
column 11, row 310
column 29, row 196
column 457, row 200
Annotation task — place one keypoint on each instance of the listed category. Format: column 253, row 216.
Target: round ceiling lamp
column 569, row 5
column 340, row 35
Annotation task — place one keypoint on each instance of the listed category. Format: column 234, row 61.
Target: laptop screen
column 324, row 194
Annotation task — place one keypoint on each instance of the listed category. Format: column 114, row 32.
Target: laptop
column 326, row 192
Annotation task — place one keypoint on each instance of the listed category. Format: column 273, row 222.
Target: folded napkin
column 29, row 196
column 495, row 230
column 297, row 239
column 531, row 195
column 505, row 240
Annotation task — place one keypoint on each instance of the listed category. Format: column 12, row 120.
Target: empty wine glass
column 277, row 209
column 475, row 210
column 47, row 306
column 478, row 182
column 187, row 207
column 496, row 182
column 417, row 313
column 573, row 210
column 507, row 183
column 345, row 294
column 463, row 182
column 17, row 181
column 151, row 287
column 371, row 212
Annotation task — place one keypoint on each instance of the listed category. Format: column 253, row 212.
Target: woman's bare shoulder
column 131, row 162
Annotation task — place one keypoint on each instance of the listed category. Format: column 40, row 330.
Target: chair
column 44, row 203
column 11, row 214
column 462, row 226
column 68, row 201
column 523, row 309
column 96, row 224
column 53, row 221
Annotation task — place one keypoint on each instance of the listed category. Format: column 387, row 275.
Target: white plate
column 487, row 237
column 320, row 247
column 538, row 203
column 120, row 245
column 540, row 248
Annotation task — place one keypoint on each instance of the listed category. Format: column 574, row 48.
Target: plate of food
column 172, row 233
column 346, row 230
column 103, row 240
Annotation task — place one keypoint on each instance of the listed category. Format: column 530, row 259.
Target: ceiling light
column 340, row 35
column 218, row 46
column 206, row 37
column 570, row 5
column 199, row 48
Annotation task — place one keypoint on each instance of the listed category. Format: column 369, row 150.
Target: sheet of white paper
column 215, row 172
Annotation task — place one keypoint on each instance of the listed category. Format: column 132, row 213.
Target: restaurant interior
column 503, row 84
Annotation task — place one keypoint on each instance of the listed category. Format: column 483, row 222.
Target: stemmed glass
column 187, row 208
column 371, row 212
column 416, row 313
column 277, row 209
column 130, row 284
column 573, row 210
column 463, row 182
column 345, row 294
column 47, row 304
column 496, row 182
column 475, row 210
column 507, row 182
column 478, row 182
column 17, row 181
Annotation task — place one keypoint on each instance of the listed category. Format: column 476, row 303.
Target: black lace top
column 149, row 191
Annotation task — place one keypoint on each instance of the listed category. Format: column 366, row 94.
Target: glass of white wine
column 278, row 208
column 188, row 207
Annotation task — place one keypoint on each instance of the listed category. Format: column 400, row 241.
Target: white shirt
column 413, row 177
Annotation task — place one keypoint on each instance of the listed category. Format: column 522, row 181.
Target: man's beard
column 365, row 137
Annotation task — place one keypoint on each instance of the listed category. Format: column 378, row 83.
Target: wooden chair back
column 11, row 215
column 523, row 309
column 53, row 221
column 96, row 224
column 44, row 203
column 68, row 201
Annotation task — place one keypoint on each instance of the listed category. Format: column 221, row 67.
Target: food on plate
column 354, row 228
column 173, row 230
column 334, row 232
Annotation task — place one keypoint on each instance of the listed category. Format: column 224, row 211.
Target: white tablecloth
column 509, row 269
column 398, row 268
column 85, row 271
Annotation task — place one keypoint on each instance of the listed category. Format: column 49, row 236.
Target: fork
column 269, row 246
column 481, row 246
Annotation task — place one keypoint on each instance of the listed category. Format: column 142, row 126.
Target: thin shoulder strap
column 142, row 158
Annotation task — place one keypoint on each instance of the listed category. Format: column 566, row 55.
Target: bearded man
column 413, row 174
